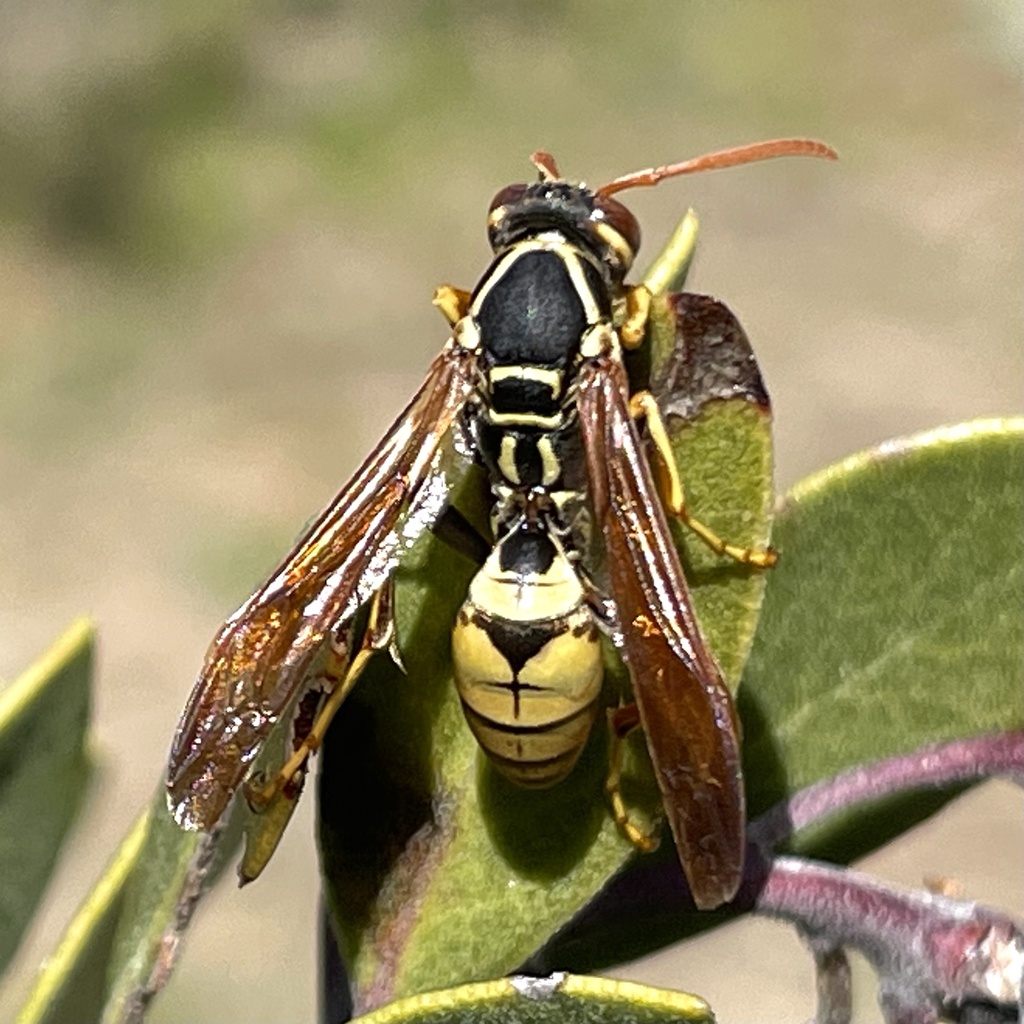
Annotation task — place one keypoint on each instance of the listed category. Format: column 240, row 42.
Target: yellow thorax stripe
column 540, row 374
column 547, row 241
column 524, row 419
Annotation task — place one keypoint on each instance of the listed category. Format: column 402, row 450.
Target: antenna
column 545, row 163
column 713, row 161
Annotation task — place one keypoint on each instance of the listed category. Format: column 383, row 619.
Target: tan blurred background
column 222, row 224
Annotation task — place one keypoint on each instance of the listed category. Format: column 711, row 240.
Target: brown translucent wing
column 685, row 707
column 257, row 663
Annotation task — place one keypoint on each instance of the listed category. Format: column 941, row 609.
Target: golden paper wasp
column 531, row 384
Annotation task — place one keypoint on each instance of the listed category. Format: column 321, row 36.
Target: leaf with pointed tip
column 44, row 769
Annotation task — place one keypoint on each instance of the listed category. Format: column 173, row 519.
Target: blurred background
column 221, row 227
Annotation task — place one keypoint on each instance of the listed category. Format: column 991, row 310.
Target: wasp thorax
column 527, row 659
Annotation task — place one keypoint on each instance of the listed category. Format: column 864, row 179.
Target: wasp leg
column 452, row 302
column 638, row 306
column 601, row 606
column 642, row 404
column 621, row 722
column 379, row 636
column 263, row 833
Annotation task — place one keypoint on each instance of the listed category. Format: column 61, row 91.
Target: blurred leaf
column 71, row 986
column 437, row 869
column 560, row 999
column 173, row 870
column 44, row 768
column 120, row 948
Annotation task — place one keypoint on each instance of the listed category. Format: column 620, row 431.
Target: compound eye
column 617, row 228
column 508, row 196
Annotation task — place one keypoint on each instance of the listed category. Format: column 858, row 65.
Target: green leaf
column 71, row 986
column 119, row 949
column 438, row 870
column 892, row 621
column 173, row 869
column 667, row 272
column 560, row 999
column 894, row 617
column 44, row 769
column 711, row 395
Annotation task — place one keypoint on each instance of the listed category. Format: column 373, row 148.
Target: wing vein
column 258, row 662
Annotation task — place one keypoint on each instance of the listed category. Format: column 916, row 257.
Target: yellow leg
column 378, row 637
column 621, row 721
column 264, row 830
column 452, row 302
column 638, row 306
column 642, row 404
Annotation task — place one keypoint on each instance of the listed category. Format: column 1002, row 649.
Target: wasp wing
column 685, row 707
column 256, row 665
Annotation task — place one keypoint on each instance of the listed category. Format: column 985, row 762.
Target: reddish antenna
column 714, row 161
column 545, row 163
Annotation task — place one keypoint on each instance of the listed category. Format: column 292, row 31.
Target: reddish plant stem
column 932, row 954
column 943, row 764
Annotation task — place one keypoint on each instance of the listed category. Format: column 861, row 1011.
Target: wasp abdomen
column 527, row 659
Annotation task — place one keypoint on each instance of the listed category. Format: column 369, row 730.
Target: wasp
column 532, row 385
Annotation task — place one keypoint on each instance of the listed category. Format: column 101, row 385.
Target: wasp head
column 599, row 224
